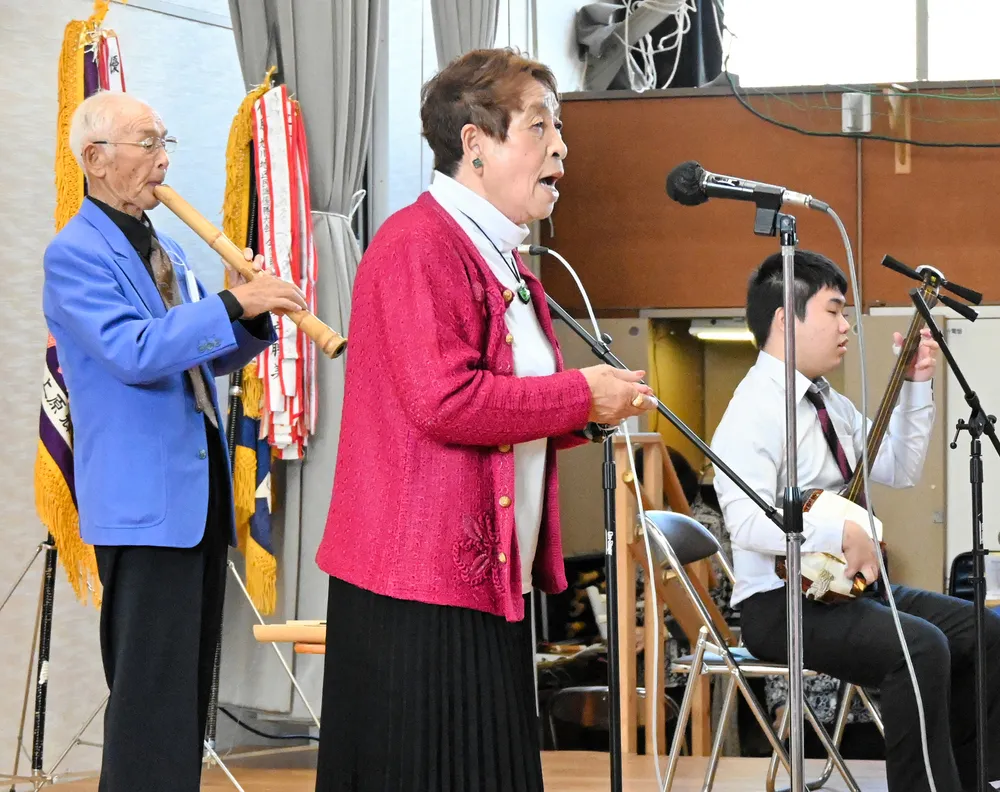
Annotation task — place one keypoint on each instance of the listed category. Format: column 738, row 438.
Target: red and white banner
column 285, row 238
column 110, row 70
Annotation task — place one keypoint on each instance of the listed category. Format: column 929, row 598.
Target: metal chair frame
column 680, row 540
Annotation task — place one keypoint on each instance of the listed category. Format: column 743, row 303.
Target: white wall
column 883, row 40
column 401, row 160
column 973, row 345
column 181, row 58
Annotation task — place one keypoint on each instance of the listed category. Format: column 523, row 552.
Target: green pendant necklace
column 522, row 289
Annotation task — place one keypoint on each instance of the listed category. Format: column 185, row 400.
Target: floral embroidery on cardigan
column 476, row 552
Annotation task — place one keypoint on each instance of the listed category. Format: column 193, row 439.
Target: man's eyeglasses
column 150, row 144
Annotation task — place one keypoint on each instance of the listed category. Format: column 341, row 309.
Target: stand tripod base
column 41, row 778
column 212, row 758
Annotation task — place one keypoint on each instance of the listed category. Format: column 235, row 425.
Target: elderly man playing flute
column 140, row 342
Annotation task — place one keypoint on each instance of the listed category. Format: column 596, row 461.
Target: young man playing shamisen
column 855, row 640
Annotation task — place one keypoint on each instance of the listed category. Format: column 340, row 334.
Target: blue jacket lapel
column 182, row 284
column 127, row 260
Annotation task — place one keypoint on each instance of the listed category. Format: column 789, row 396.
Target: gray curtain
column 463, row 25
column 326, row 54
column 251, row 25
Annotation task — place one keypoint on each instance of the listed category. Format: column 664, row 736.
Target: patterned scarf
column 166, row 284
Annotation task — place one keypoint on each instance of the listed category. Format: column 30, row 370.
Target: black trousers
column 160, row 621
column 857, row 642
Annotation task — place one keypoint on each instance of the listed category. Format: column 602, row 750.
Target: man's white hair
column 98, row 117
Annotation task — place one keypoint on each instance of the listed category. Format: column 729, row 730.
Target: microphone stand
column 792, row 513
column 603, row 352
column 978, row 424
column 770, row 221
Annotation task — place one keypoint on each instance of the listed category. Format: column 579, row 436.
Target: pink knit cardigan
column 423, row 495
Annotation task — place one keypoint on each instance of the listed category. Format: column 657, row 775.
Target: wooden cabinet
column 636, row 249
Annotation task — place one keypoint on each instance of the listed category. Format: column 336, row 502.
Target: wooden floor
column 565, row 771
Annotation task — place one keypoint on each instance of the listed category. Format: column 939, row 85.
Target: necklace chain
column 512, row 267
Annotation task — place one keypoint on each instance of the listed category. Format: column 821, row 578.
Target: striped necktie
column 830, row 435
column 166, row 284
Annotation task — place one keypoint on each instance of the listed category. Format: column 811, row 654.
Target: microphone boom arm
column 607, row 356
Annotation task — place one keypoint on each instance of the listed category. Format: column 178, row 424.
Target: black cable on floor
column 251, row 729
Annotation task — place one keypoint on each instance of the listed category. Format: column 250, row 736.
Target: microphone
column 690, row 185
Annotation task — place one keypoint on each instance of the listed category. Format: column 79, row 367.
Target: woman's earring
column 477, row 163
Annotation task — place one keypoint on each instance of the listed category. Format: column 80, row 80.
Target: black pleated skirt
column 425, row 698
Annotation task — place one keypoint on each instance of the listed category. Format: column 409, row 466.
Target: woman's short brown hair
column 482, row 87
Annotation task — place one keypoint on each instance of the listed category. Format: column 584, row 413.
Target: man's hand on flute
column 236, row 277
column 265, row 292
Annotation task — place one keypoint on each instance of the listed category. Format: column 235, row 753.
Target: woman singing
column 445, row 506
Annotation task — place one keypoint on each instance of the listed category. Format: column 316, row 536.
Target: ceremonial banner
column 267, row 191
column 286, row 240
column 90, row 61
column 252, row 456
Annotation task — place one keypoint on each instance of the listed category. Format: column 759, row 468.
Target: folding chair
column 680, row 540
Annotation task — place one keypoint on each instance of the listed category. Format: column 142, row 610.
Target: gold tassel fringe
column 57, row 512
column 262, row 577
column 236, row 203
column 69, row 177
column 253, row 391
column 244, row 481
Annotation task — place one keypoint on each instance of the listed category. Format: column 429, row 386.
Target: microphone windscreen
column 684, row 184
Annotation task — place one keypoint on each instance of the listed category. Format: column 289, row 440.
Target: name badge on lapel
column 192, row 284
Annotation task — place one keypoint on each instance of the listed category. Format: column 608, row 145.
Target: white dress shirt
column 751, row 440
column 533, row 355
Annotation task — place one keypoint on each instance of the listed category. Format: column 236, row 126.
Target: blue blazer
column 139, row 445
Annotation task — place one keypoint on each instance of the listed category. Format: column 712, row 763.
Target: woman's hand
column 616, row 394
